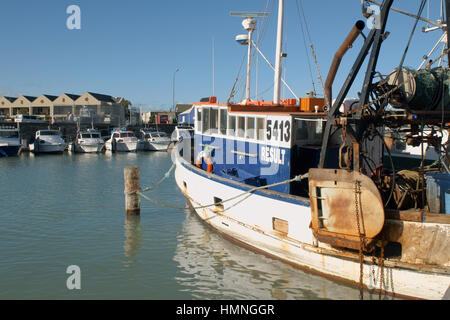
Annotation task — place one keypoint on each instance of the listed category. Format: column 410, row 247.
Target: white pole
column 213, row 66
column 249, row 61
column 277, row 78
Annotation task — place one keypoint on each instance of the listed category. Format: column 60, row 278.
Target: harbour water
column 63, row 210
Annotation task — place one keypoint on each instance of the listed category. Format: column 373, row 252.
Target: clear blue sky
column 132, row 48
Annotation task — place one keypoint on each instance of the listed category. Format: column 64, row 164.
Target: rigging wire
column 311, row 44
column 419, row 14
column 306, row 48
column 233, row 89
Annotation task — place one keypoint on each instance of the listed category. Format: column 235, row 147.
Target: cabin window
column 241, row 127
column 214, row 123
column 96, row 135
column 231, row 131
column 250, row 128
column 205, row 122
column 223, row 121
column 85, row 135
column 309, row 131
column 198, row 120
column 260, row 128
column 116, row 135
column 9, row 134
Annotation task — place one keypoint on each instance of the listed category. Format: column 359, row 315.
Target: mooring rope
column 141, row 192
column 166, row 175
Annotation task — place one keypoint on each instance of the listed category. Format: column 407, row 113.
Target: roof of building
column 30, row 98
column 102, row 97
column 72, row 96
column 50, row 97
column 182, row 107
column 10, row 99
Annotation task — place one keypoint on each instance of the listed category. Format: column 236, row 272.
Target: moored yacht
column 9, row 141
column 122, row 141
column 48, row 141
column 155, row 140
column 88, row 141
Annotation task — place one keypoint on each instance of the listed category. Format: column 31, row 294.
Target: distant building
column 179, row 108
column 104, row 108
column 22, row 105
column 135, row 116
column 64, row 105
column 6, row 105
column 43, row 106
column 159, row 117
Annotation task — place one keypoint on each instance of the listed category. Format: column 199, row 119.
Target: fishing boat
column 155, row 140
column 48, row 141
column 88, row 141
column 303, row 181
column 122, row 141
column 9, row 141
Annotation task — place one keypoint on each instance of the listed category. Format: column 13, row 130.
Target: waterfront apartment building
column 159, row 117
column 103, row 108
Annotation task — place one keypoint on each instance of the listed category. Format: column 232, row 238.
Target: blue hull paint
column 246, row 159
column 272, row 195
column 9, row 151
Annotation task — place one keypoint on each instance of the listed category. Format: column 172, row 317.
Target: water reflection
column 210, row 267
column 133, row 239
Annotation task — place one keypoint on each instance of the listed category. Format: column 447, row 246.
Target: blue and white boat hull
column 250, row 221
column 9, row 150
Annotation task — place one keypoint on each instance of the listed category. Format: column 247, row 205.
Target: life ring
column 209, row 163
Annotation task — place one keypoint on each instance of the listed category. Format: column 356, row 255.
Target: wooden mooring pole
column 132, row 183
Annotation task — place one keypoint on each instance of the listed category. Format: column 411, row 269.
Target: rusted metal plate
column 421, row 243
column 335, row 203
column 280, row 225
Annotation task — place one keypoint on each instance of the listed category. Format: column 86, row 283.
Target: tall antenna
column 277, row 77
column 213, row 66
column 249, row 24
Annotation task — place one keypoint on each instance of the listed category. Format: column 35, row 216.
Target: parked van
column 28, row 118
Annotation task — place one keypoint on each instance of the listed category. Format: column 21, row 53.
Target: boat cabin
column 153, row 134
column 89, row 135
column 8, row 132
column 47, row 133
column 119, row 134
column 259, row 144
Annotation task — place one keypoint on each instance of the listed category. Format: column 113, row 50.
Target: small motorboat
column 48, row 141
column 88, row 141
column 155, row 140
column 9, row 141
column 122, row 141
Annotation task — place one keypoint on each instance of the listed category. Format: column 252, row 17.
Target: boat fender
column 201, row 155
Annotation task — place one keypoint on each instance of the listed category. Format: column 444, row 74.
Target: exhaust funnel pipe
column 347, row 44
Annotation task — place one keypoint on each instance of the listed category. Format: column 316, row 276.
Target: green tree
column 126, row 104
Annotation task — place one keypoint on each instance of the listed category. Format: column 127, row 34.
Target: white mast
column 213, row 76
column 277, row 78
column 250, row 25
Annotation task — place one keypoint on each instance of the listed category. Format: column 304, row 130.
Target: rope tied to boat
column 140, row 193
column 165, row 176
